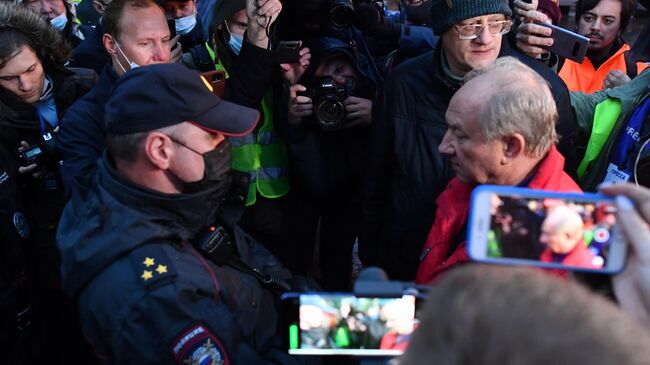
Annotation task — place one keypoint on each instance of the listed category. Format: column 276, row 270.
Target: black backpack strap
column 630, row 65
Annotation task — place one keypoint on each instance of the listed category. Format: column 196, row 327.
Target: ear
column 98, row 7
column 157, row 148
column 109, row 44
column 513, row 146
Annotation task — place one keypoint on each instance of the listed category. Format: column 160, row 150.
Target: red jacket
column 452, row 214
column 580, row 256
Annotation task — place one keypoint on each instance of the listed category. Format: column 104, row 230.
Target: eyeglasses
column 473, row 31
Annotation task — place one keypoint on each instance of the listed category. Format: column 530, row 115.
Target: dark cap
column 162, row 95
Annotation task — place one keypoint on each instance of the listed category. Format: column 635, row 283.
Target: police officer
column 146, row 295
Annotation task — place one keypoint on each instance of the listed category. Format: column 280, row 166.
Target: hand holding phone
column 571, row 231
column 632, row 286
column 288, row 52
column 567, row 44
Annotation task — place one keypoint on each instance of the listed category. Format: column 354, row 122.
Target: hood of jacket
column 107, row 217
column 324, row 48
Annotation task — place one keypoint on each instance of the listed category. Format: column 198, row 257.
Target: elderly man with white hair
column 563, row 236
column 501, row 131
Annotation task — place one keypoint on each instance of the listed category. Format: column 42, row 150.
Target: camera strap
column 218, row 246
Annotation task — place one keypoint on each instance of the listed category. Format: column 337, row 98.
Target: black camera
column 44, row 153
column 329, row 110
column 341, row 13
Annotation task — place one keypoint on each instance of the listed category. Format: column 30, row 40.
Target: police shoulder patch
column 197, row 345
column 152, row 265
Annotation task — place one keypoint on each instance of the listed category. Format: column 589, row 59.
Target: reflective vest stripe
column 605, row 117
column 260, row 153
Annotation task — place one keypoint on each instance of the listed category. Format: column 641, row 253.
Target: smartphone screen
column 32, row 153
column 526, row 227
column 343, row 324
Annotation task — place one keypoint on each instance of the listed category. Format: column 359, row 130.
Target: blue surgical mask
column 132, row 64
column 185, row 25
column 60, row 21
column 235, row 41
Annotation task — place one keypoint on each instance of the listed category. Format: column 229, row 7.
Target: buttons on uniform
column 253, row 304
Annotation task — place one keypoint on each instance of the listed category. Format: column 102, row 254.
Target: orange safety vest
column 585, row 78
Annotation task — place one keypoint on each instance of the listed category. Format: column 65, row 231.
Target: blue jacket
column 146, row 296
column 82, row 134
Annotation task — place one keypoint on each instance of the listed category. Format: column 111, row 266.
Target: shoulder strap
column 630, row 65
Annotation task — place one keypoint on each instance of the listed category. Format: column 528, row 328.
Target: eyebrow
column 596, row 15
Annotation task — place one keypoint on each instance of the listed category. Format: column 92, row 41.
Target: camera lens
column 330, row 113
column 341, row 13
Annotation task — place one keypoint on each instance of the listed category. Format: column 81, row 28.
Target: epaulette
column 153, row 266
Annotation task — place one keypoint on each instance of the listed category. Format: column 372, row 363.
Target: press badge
column 615, row 176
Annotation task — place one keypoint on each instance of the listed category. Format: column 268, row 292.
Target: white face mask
column 185, row 25
column 132, row 64
column 60, row 21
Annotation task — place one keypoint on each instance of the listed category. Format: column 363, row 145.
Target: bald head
column 562, row 230
column 516, row 100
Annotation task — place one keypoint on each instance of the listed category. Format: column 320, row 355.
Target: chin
column 482, row 61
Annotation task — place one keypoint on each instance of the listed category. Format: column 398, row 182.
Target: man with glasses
column 406, row 171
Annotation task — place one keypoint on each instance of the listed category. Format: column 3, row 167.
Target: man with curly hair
column 35, row 91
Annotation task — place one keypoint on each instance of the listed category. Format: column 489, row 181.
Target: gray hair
column 523, row 105
column 126, row 147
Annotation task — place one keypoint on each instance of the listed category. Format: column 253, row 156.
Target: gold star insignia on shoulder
column 149, row 262
column 146, row 275
column 161, row 269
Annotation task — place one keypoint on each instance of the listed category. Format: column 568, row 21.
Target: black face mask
column 419, row 15
column 216, row 176
column 217, row 172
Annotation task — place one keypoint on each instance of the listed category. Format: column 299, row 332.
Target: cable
column 636, row 162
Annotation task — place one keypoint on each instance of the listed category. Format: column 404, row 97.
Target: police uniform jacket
column 145, row 294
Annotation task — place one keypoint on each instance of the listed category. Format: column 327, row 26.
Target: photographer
column 35, row 90
column 329, row 113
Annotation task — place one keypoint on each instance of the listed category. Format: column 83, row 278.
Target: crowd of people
column 169, row 167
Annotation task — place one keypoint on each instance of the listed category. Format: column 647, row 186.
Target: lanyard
column 44, row 131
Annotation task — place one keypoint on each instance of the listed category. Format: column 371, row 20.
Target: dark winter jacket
column 82, row 134
column 90, row 53
column 145, row 294
column 406, row 172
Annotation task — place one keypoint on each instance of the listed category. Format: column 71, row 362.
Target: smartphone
column 171, row 24
column 570, row 231
column 217, row 80
column 288, row 52
column 343, row 324
column 567, row 43
column 31, row 154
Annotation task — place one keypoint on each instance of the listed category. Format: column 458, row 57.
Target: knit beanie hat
column 550, row 8
column 443, row 15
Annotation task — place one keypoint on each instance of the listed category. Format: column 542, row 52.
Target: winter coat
column 146, row 295
column 451, row 218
